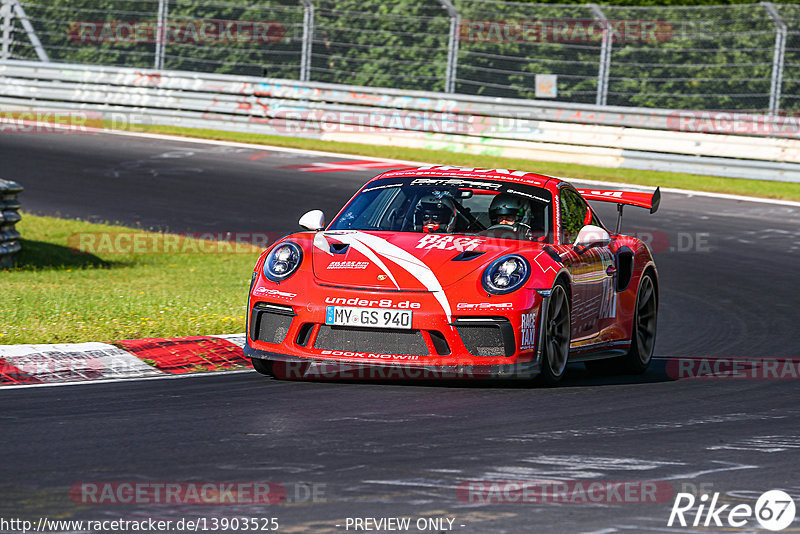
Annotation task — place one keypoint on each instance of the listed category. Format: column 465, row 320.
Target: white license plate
column 368, row 317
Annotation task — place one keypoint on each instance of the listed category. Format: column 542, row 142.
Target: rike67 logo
column 774, row 510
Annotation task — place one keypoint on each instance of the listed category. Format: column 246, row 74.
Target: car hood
column 401, row 260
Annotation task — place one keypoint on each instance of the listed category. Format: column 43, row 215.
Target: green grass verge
column 56, row 295
column 695, row 182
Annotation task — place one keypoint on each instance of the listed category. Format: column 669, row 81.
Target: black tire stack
column 9, row 216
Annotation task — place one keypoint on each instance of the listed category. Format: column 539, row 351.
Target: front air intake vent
column 469, row 255
column 487, row 336
column 270, row 323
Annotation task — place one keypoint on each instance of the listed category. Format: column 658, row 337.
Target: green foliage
column 709, row 54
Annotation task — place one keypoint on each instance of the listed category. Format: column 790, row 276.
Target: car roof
column 506, row 175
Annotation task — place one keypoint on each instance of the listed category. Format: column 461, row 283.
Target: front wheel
column 555, row 342
column 263, row 366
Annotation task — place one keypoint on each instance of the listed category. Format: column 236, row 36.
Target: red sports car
column 439, row 271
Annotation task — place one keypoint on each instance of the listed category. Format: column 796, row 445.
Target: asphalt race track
column 728, row 277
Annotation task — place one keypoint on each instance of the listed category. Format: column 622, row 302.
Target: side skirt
column 599, row 351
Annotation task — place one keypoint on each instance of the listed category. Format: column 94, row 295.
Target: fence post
column 308, row 40
column 28, row 27
column 6, row 16
column 161, row 35
column 452, row 46
column 605, row 56
column 777, row 58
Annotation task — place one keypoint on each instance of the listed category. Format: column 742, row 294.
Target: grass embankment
column 734, row 186
column 120, row 288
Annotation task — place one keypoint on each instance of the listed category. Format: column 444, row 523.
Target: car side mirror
column 314, row 220
column 591, row 236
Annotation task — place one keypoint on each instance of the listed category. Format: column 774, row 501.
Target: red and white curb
column 131, row 358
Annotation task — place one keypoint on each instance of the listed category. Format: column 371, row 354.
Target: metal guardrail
column 9, row 216
column 578, row 133
column 740, row 56
column 283, row 92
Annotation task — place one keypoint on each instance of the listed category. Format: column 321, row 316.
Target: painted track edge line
column 164, row 376
column 687, row 192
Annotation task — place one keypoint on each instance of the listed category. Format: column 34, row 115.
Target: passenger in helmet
column 435, row 213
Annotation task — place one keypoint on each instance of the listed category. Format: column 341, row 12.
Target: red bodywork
column 392, row 270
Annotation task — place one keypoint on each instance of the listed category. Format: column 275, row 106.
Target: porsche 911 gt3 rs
column 489, row 272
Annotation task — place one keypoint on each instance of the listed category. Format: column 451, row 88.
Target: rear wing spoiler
column 649, row 201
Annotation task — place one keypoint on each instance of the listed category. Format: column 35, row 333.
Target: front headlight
column 283, row 261
column 506, row 274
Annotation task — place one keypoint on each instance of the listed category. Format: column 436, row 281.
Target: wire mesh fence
column 504, row 45
column 790, row 93
column 734, row 57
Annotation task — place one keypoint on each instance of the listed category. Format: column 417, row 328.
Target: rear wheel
column 643, row 339
column 263, row 366
column 644, row 328
column 556, row 338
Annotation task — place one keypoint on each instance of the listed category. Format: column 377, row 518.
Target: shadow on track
column 577, row 376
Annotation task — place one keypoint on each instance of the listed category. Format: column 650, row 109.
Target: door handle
column 611, row 271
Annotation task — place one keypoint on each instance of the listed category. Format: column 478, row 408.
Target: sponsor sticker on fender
column 348, row 265
column 276, row 293
column 528, row 331
column 484, row 306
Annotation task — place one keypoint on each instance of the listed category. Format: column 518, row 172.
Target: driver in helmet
column 506, row 213
column 435, row 213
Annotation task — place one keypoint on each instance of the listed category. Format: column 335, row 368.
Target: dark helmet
column 505, row 204
column 435, row 213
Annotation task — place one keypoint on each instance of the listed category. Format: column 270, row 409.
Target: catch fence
column 735, row 57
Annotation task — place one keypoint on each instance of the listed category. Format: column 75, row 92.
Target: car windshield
column 451, row 206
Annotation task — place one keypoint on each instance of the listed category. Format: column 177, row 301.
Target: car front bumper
column 475, row 341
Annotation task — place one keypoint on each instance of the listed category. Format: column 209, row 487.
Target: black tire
column 643, row 339
column 556, row 338
column 264, row 367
